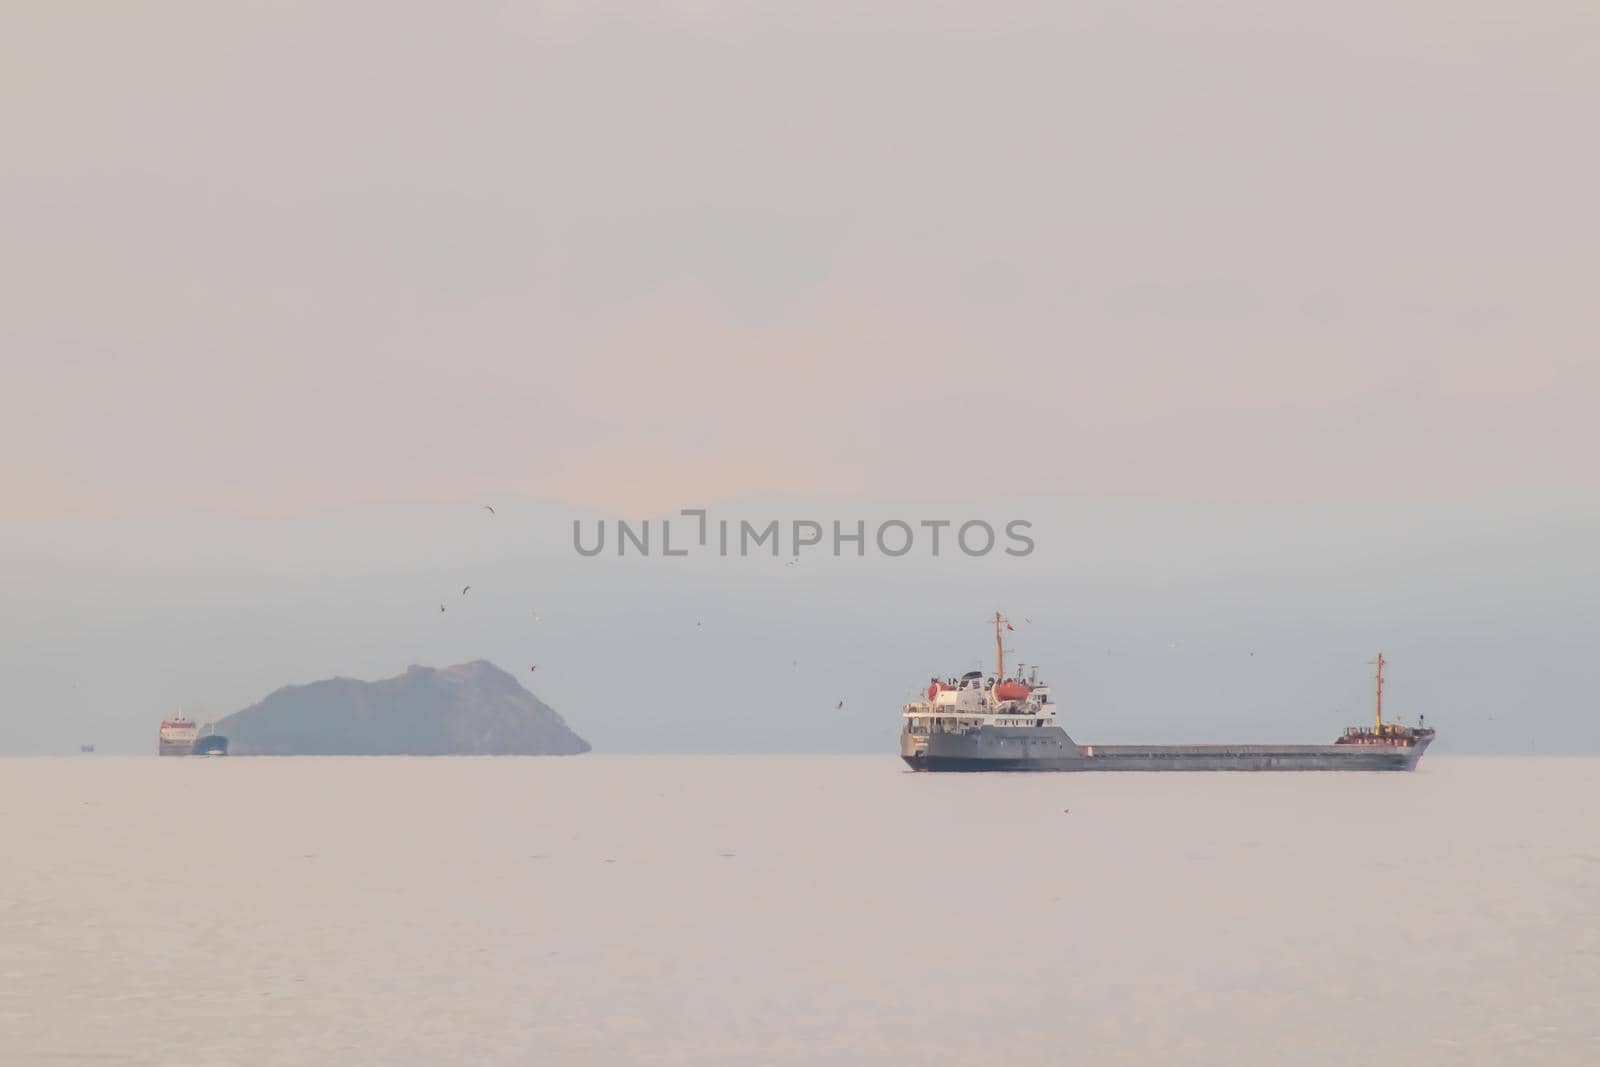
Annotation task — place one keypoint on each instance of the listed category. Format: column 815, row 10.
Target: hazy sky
column 274, row 274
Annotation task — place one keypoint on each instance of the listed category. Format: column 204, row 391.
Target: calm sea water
column 601, row 910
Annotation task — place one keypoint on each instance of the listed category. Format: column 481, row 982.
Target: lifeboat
column 935, row 688
column 1009, row 690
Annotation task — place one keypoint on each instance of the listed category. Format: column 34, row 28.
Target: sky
column 1295, row 299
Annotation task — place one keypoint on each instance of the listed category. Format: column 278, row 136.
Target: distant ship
column 178, row 736
column 973, row 723
column 210, row 743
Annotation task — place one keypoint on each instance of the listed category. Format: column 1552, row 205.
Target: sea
column 804, row 910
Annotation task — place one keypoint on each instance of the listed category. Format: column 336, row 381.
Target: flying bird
column 487, row 508
column 464, row 589
column 534, row 667
column 793, row 562
column 441, row 607
column 840, row 706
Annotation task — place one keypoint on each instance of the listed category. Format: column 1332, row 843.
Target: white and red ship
column 178, row 735
column 1002, row 723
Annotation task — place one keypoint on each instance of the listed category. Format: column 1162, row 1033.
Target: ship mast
column 1377, row 722
column 999, row 649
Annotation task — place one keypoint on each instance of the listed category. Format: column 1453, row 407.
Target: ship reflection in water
column 973, row 723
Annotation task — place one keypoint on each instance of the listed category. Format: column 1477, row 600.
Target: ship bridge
column 973, row 702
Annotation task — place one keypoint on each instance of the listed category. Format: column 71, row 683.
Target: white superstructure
column 178, row 735
column 973, row 700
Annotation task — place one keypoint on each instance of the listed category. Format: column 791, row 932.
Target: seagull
column 1027, row 620
column 464, row 589
column 698, row 625
column 793, row 562
column 441, row 607
column 840, row 707
column 534, row 667
column 487, row 508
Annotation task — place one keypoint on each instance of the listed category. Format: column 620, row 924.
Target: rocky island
column 472, row 709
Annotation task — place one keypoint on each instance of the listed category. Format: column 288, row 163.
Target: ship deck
column 1051, row 749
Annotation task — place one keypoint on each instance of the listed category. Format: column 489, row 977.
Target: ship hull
column 175, row 748
column 1049, row 748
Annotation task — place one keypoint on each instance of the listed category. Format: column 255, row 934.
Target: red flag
column 1010, row 627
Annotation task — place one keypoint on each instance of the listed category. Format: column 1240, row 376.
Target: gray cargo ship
column 973, row 723
column 210, row 743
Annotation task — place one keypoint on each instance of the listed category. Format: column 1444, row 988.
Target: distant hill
column 473, row 709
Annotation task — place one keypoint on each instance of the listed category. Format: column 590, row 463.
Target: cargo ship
column 999, row 723
column 178, row 735
column 210, row 743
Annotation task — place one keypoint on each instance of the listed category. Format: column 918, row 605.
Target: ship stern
column 914, row 748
